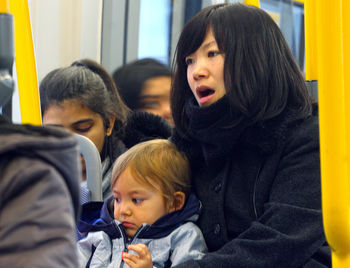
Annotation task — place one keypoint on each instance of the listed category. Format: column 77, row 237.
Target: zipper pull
column 123, row 252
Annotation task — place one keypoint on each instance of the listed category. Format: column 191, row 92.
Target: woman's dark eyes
column 83, row 130
column 149, row 105
column 188, row 61
column 210, row 54
column 213, row 53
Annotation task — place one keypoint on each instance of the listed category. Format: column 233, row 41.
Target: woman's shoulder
column 303, row 136
column 307, row 128
column 143, row 126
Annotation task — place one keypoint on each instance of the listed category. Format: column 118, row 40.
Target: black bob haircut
column 261, row 77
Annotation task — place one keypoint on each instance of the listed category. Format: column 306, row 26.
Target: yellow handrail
column 345, row 259
column 333, row 131
column 310, row 40
column 252, row 3
column 346, row 63
column 257, row 4
column 4, row 6
column 25, row 63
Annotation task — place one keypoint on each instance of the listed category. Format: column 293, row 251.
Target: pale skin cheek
column 190, row 81
column 190, row 85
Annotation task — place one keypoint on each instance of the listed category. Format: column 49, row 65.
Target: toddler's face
column 136, row 203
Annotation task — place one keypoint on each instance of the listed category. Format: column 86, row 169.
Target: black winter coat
column 260, row 190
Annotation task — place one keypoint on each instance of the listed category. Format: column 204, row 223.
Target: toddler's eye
column 137, row 200
column 117, row 199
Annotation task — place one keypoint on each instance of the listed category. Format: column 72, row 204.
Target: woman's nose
column 199, row 71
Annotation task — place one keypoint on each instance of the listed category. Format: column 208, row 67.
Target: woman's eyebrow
column 209, row 44
column 54, row 125
column 87, row 120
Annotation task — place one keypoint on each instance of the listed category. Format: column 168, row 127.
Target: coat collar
column 97, row 216
column 267, row 136
column 213, row 142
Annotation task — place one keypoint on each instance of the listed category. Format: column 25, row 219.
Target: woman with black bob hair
column 84, row 99
column 244, row 117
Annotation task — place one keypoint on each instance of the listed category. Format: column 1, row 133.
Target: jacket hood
column 53, row 145
column 98, row 216
column 143, row 126
column 140, row 126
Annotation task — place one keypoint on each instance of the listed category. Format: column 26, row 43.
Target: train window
column 137, row 29
column 115, row 32
column 133, row 29
column 154, row 37
column 289, row 16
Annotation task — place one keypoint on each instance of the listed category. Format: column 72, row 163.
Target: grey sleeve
column 37, row 227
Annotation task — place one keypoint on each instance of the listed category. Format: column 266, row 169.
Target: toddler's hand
column 143, row 258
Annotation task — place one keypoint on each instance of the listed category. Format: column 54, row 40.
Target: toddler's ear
column 178, row 202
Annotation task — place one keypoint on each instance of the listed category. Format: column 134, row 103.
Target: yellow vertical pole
column 333, row 143
column 252, row 3
column 346, row 66
column 346, row 63
column 25, row 63
column 4, row 6
column 310, row 40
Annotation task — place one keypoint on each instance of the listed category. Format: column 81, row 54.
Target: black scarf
column 213, row 136
column 211, row 127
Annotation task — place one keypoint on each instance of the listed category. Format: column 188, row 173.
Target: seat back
column 93, row 189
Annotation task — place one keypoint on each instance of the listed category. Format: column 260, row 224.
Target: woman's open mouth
column 204, row 93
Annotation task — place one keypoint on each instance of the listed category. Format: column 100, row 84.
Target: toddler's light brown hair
column 157, row 164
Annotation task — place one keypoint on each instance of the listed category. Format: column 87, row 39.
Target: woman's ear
column 178, row 201
column 110, row 125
